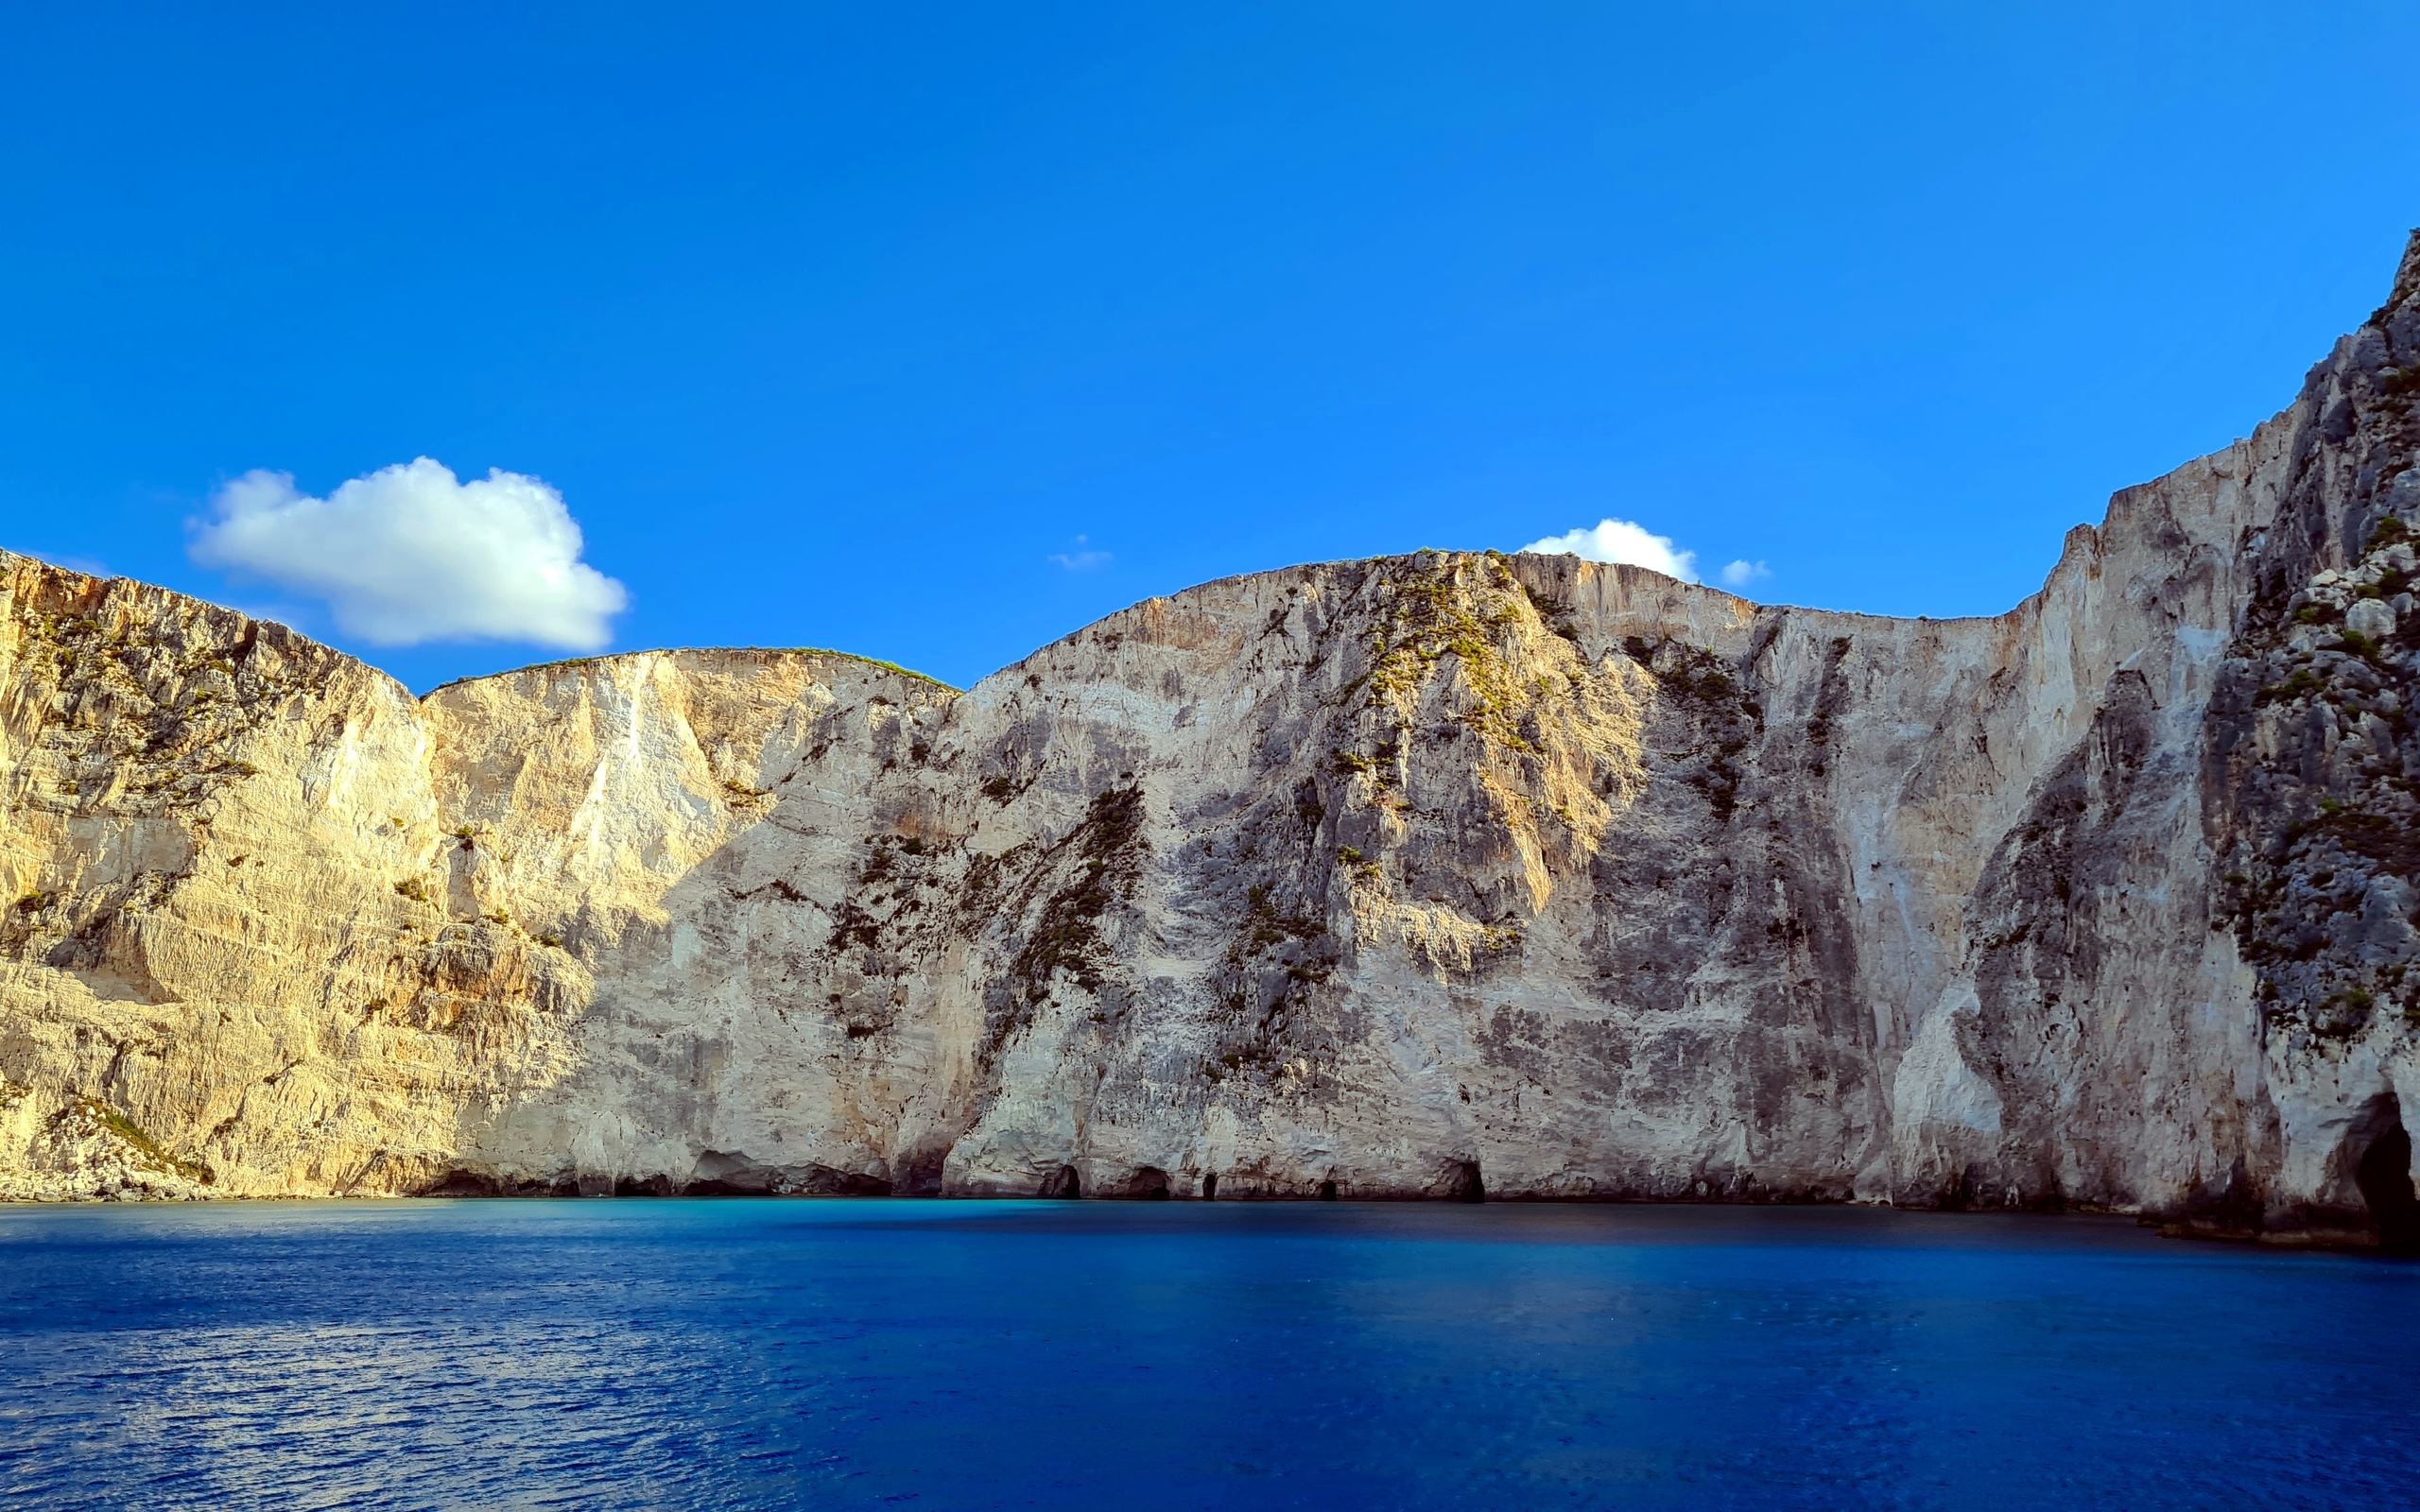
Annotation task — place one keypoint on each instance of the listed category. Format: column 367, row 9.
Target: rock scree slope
column 1441, row 875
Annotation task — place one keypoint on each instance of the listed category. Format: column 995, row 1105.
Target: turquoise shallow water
column 893, row 1353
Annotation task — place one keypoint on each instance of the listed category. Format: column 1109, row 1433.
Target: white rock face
column 1408, row 876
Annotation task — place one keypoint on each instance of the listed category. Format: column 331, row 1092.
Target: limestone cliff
column 1429, row 875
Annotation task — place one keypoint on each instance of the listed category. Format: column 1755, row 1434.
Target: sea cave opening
column 2384, row 1177
column 1465, row 1184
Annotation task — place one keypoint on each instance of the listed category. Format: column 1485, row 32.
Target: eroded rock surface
column 1426, row 876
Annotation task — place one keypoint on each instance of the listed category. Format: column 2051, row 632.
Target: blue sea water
column 1180, row 1355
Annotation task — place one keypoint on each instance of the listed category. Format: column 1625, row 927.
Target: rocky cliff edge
column 1445, row 875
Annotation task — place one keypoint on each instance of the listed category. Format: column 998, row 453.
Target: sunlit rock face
column 1437, row 875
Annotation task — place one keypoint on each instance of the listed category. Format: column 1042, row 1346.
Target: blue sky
column 934, row 334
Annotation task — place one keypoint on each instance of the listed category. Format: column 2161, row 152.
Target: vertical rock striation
column 1426, row 876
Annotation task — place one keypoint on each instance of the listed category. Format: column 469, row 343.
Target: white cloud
column 1740, row 574
column 1621, row 541
column 1080, row 559
column 411, row 553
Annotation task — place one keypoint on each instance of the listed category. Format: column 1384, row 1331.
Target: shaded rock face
column 1436, row 876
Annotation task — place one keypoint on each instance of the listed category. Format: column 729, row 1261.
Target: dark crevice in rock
column 2383, row 1175
column 461, row 1184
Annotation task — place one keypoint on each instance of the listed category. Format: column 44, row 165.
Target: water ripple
column 759, row 1354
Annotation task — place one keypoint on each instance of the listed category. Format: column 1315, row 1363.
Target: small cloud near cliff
column 1740, row 574
column 1083, row 558
column 410, row 554
column 1623, row 541
column 89, row 566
